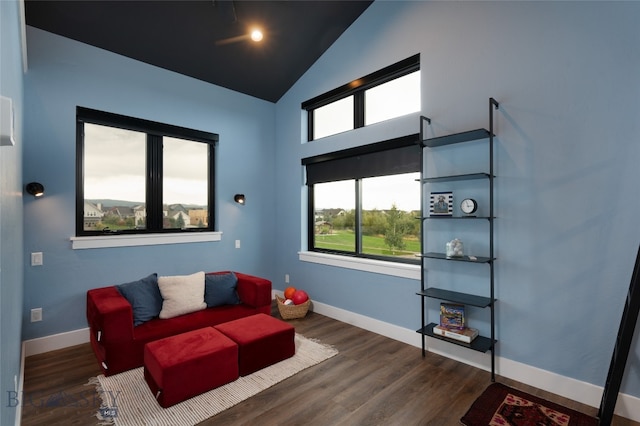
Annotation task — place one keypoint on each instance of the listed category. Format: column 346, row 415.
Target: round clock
column 468, row 206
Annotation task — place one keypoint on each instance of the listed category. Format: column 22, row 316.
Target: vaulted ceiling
column 207, row 39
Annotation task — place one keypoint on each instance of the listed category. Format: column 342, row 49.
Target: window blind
column 395, row 156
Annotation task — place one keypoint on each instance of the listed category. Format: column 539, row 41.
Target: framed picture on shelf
column 441, row 204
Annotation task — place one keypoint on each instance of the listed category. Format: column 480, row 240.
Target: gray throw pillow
column 144, row 297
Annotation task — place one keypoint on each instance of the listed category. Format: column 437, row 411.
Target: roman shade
column 395, row 156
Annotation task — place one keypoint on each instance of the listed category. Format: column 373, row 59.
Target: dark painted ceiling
column 196, row 38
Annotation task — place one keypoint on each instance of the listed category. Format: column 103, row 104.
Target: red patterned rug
column 500, row 405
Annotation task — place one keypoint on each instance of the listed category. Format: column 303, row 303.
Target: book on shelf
column 452, row 316
column 465, row 335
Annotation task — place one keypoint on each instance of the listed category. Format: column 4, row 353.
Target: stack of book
column 452, row 324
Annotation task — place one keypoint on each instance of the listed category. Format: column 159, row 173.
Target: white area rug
column 127, row 400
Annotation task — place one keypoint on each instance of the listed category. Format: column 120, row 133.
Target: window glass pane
column 390, row 205
column 334, row 205
column 333, row 118
column 392, row 99
column 114, row 178
column 184, row 184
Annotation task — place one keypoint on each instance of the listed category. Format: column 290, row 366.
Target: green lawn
column 345, row 241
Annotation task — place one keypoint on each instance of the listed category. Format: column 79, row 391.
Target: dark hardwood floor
column 374, row 380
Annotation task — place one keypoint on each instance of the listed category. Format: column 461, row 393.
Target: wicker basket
column 292, row 311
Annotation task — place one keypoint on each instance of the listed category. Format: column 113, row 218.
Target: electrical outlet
column 286, row 278
column 237, row 243
column 36, row 314
column 36, row 259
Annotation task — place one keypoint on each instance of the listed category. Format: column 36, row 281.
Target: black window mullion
column 310, row 120
column 358, row 110
column 79, row 177
column 311, row 219
column 358, row 216
column 211, row 187
column 154, row 183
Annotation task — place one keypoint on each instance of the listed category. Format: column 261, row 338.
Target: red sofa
column 119, row 346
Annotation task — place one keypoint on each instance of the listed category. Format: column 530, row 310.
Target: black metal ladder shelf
column 480, row 343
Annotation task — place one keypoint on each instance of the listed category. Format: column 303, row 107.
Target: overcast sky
column 119, row 172
column 378, row 193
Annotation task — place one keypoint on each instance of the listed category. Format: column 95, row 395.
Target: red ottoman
column 262, row 340
column 183, row 366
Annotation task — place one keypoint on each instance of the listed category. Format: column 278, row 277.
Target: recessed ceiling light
column 256, row 35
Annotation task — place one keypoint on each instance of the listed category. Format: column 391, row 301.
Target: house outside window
column 136, row 176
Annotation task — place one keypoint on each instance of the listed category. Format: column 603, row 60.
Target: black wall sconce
column 35, row 188
column 239, row 198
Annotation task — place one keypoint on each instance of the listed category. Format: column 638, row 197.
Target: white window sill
column 396, row 269
column 80, row 243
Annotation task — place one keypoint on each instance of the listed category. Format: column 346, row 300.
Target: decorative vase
column 455, row 248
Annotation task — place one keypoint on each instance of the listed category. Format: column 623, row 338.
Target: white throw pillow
column 182, row 294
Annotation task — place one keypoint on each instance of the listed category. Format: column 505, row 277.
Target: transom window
column 389, row 93
column 137, row 176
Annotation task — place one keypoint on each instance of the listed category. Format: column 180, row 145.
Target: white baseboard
column 586, row 393
column 55, row 341
column 627, row 406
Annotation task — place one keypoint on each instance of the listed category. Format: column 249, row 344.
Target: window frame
column 396, row 143
column 155, row 131
column 357, row 88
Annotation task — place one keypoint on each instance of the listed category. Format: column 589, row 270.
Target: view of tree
column 395, row 231
column 113, row 221
column 374, row 222
column 393, row 228
column 343, row 220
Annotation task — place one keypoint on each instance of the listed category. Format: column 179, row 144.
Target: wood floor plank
column 373, row 380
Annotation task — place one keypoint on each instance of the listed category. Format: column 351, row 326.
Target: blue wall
column 11, row 271
column 63, row 74
column 567, row 156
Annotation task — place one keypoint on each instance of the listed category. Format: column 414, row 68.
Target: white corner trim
column 55, row 341
column 404, row 270
column 79, row 243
